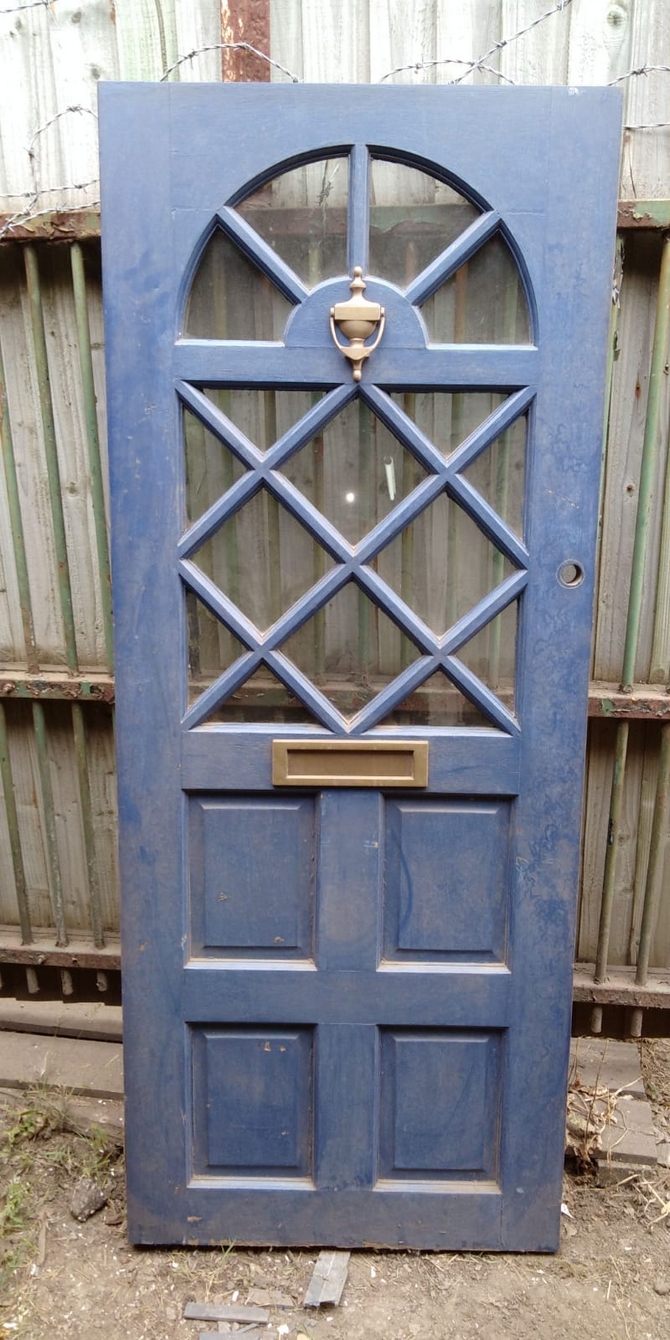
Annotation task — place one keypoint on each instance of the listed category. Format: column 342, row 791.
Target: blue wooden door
column 353, row 576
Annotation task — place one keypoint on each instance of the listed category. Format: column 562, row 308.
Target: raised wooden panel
column 252, row 1101
column 439, row 1104
column 446, row 879
column 251, row 875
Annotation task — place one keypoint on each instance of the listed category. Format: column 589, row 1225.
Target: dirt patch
column 61, row 1278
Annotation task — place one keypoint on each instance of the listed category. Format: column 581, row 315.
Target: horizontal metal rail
column 82, row 225
column 645, row 702
column 81, row 952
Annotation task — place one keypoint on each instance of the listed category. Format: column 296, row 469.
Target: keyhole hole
column 571, row 574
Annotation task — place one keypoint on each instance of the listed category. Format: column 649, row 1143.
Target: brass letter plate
column 350, row 763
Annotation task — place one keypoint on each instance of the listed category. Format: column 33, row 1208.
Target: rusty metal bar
column 616, row 803
column 20, row 885
column 643, row 214
column 245, row 21
column 657, row 852
column 646, row 703
column 660, row 651
column 650, row 452
column 42, row 953
column 91, row 688
column 93, row 444
column 51, row 454
column 64, row 225
column 81, row 752
column 616, row 798
column 16, row 523
column 83, row 225
column 620, row 988
column 612, row 346
column 55, row 881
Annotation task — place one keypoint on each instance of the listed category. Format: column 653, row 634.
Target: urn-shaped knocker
column 357, row 319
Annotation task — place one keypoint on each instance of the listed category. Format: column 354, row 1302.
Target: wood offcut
column 224, row 1312
column 328, row 1279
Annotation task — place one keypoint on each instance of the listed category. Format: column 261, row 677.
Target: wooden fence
column 58, row 876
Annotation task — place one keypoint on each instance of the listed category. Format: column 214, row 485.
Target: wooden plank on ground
column 225, row 1312
column 328, row 1279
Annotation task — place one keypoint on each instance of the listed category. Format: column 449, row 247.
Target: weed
column 45, row 1114
column 100, row 1152
column 13, row 1212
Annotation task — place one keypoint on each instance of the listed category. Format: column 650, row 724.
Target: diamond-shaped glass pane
column 263, row 559
column 350, row 649
column 212, row 648
column 448, row 418
column 436, row 702
column 491, row 655
column 413, row 217
column 231, row 299
column 302, row 215
column 355, row 471
column 262, row 697
column 482, row 303
column 499, row 474
column 211, row 468
column 442, row 564
column 262, row 415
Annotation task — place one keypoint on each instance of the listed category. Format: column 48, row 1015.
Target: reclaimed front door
column 356, row 349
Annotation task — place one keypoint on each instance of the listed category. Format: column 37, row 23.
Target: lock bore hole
column 571, row 573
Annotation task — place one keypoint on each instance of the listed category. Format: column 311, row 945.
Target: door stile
column 562, row 502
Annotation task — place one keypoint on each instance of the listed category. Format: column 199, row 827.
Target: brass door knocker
column 357, row 319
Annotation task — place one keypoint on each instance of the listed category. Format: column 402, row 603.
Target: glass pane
column 302, row 215
column 212, row 648
column 491, row 655
column 355, row 471
column 262, row 415
column 413, row 218
column 437, row 702
column 211, row 468
column 263, row 559
column 262, row 697
column 442, row 564
column 445, row 418
column 499, row 474
column 482, row 303
column 350, row 649
column 231, row 300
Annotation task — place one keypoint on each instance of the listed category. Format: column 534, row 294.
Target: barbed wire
column 28, row 4
column 466, row 68
column 22, row 217
column 641, row 69
column 478, row 64
column 230, row 46
column 75, row 107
